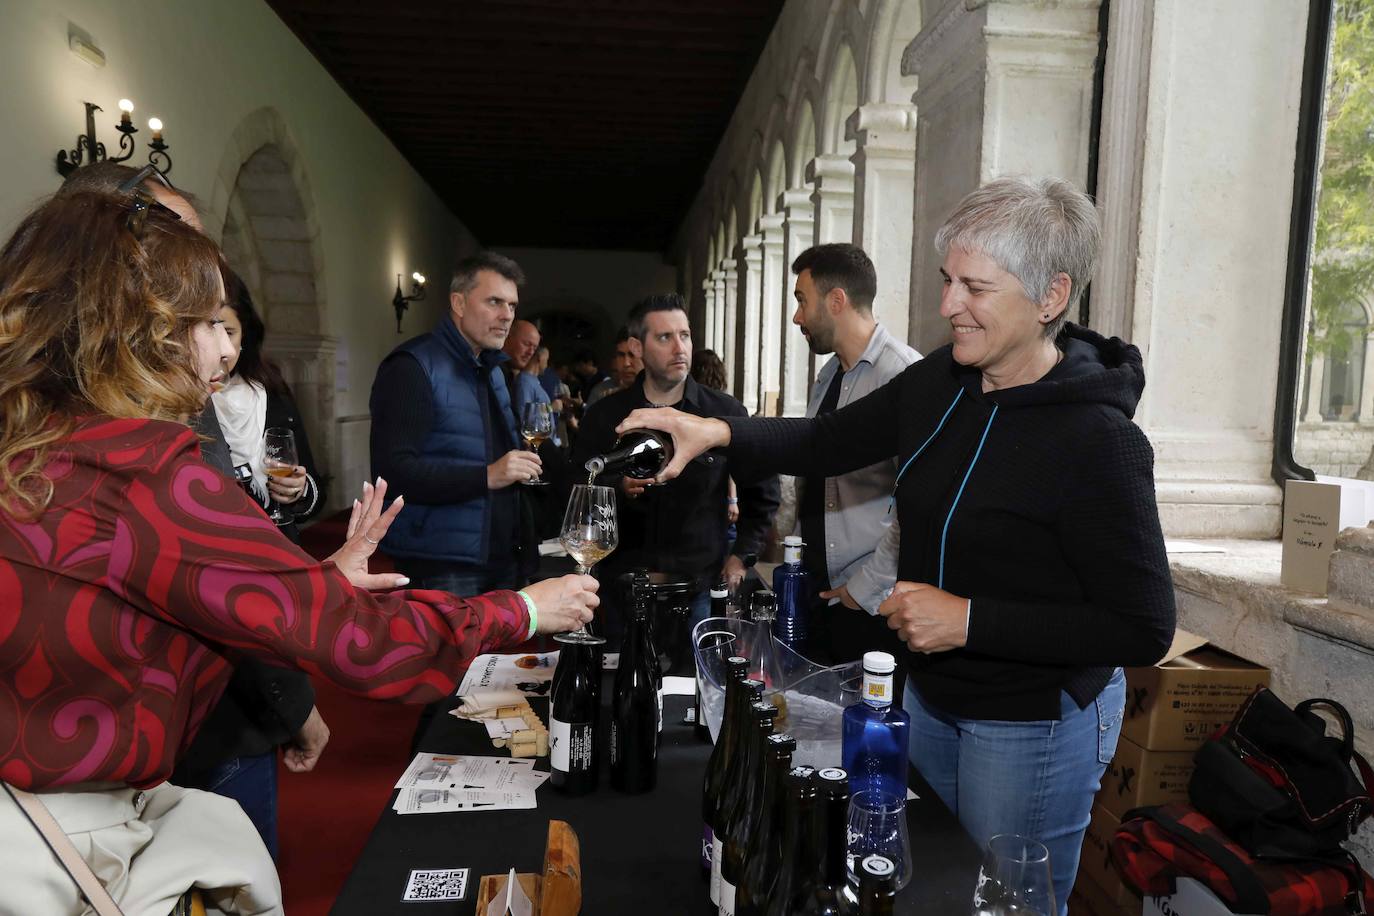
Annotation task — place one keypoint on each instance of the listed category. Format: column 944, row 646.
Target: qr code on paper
column 438, row 884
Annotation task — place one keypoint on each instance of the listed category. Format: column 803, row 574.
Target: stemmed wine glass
column 536, row 425
column 589, row 534
column 1015, row 879
column 279, row 450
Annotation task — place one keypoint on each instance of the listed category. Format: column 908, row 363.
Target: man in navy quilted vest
column 444, row 437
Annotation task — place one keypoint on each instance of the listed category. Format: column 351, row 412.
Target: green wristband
column 533, row 610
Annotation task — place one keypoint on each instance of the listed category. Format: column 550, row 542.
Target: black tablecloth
column 640, row 853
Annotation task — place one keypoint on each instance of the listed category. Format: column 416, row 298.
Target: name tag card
column 1311, row 520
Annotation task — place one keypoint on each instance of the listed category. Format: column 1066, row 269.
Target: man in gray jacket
column 851, row 537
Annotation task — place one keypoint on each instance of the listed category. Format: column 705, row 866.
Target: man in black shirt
column 680, row 527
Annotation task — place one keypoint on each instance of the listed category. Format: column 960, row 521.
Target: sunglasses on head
column 142, row 201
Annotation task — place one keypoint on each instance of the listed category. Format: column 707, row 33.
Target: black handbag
column 1277, row 784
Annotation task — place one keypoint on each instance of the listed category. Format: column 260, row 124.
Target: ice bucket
column 810, row 697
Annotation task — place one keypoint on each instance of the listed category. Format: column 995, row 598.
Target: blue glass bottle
column 875, row 733
column 792, row 585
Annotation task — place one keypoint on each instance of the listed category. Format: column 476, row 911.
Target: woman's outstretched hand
column 367, row 525
column 692, row 435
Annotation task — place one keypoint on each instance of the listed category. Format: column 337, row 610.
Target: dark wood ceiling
column 559, row 123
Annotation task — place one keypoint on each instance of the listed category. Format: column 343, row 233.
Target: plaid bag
column 1278, row 784
column 1154, row 846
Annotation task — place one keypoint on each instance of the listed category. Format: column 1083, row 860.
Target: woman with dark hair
column 708, row 370
column 254, row 399
column 133, row 575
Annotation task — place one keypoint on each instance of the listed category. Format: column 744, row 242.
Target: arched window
column 1343, row 348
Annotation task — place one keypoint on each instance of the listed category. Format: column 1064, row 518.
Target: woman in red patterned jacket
column 131, row 572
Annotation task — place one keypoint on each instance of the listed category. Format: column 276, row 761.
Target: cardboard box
column 1099, row 901
column 1095, row 860
column 1197, row 688
column 1137, row 777
column 1192, row 898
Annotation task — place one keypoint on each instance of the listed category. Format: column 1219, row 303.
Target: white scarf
column 242, row 410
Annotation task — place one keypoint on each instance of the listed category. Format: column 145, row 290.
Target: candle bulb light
column 126, row 108
column 155, row 125
column 418, row 278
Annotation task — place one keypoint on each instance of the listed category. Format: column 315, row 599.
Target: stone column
column 708, row 332
column 832, row 200
column 1316, row 380
column 729, row 320
column 750, row 253
column 770, row 326
column 1006, row 88
column 884, row 189
column 796, row 355
column 1366, row 411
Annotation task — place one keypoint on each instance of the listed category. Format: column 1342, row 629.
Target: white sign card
column 1311, row 521
column 531, row 673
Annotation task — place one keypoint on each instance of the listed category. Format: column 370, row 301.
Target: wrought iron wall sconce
column 400, row 302
column 89, row 150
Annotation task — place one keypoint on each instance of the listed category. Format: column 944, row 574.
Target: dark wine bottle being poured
column 640, row 453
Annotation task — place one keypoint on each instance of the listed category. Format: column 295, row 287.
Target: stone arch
column 894, row 27
column 774, row 131
column 803, row 148
column 841, row 99
column 776, row 182
column 801, row 137
column 729, row 219
column 755, row 206
column 265, row 211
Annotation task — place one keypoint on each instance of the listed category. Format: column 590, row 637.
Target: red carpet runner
column 326, row 815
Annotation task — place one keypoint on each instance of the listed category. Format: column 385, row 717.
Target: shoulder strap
column 1250, row 894
column 75, row 866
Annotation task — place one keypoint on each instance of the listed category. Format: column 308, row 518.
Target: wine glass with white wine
column 589, row 534
column 280, row 460
column 536, row 425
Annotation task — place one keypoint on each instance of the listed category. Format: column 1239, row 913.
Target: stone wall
column 1334, row 449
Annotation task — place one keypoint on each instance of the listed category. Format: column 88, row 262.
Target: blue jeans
column 1037, row 779
column 252, row 782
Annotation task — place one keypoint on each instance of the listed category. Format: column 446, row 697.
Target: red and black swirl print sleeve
column 119, row 605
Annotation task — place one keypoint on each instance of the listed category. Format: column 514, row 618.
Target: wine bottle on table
column 827, row 891
column 764, row 854
column 742, row 819
column 874, row 733
column 572, row 722
column 722, row 755
column 763, row 607
column 877, row 886
column 720, row 598
column 797, row 860
column 635, row 704
column 733, row 763
column 792, row 585
column 640, row 453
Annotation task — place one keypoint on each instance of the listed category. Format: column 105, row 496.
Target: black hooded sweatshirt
column 1036, row 502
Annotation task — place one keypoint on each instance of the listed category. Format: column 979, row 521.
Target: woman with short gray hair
column 1032, row 564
